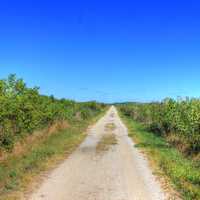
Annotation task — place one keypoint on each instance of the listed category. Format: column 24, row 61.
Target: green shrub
column 23, row 110
column 178, row 118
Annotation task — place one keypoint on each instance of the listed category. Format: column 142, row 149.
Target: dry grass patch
column 110, row 127
column 27, row 142
column 106, row 142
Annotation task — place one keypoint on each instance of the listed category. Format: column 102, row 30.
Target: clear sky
column 106, row 50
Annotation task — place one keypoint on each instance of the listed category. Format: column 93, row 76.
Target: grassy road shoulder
column 17, row 173
column 182, row 173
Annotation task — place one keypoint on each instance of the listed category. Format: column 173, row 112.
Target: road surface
column 102, row 169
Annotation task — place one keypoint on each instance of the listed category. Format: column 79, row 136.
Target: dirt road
column 106, row 166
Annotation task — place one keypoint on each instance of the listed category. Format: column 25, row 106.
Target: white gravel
column 121, row 173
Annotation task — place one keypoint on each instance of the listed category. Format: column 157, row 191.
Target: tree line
column 177, row 120
column 24, row 109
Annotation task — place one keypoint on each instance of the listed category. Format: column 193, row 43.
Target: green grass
column 18, row 172
column 183, row 173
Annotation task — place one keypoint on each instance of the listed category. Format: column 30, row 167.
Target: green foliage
column 177, row 119
column 15, row 172
column 183, row 172
column 23, row 110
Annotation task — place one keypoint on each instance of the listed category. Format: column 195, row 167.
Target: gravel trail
column 117, row 171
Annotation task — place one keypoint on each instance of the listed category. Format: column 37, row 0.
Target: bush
column 24, row 110
column 180, row 118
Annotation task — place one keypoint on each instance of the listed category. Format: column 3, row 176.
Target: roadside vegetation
column 23, row 110
column 169, row 132
column 176, row 120
column 36, row 131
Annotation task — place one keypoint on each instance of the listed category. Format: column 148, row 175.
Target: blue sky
column 104, row 50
